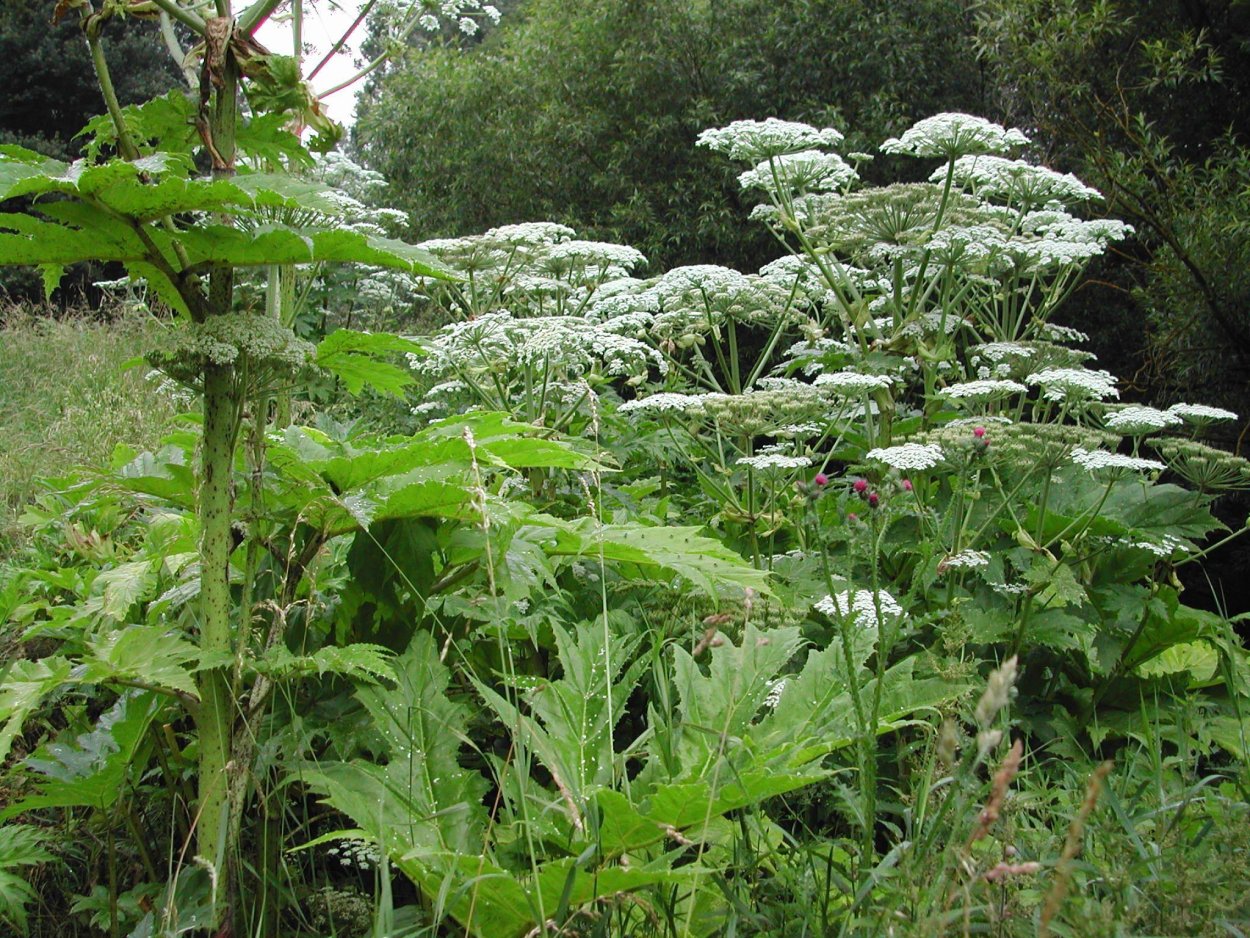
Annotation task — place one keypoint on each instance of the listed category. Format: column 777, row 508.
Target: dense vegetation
column 523, row 582
column 584, row 113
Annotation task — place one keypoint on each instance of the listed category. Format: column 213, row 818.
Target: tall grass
column 66, row 400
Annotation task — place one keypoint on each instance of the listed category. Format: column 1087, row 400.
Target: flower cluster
column 1100, row 460
column 952, row 135
column 466, row 14
column 964, row 560
column 808, row 171
column 985, row 389
column 1200, row 413
column 1063, row 384
column 766, row 461
column 861, row 606
column 1016, row 182
column 498, row 342
column 760, row 140
column 913, row 456
column 1138, row 420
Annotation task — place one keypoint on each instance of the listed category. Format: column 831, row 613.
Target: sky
column 324, row 23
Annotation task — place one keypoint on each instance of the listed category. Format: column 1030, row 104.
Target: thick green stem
column 216, row 632
column 215, row 840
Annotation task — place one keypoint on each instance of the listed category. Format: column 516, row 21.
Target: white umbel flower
column 952, row 135
column 1200, row 413
column 531, row 233
column 982, row 390
column 774, row 461
column 908, row 456
column 776, row 688
column 809, row 171
column 1061, row 384
column 1138, row 420
column 861, row 606
column 666, row 402
column 1016, row 182
column 852, row 382
column 964, row 560
column 758, row 140
column 1098, row 460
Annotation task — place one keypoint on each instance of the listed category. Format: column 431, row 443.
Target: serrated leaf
column 1056, row 583
column 51, row 274
column 422, row 798
column 357, row 371
column 125, row 585
column 147, row 654
column 705, row 562
column 573, row 717
column 23, row 688
column 719, row 707
column 90, row 770
column 359, row 661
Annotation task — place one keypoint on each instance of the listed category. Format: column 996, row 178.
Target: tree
column 1150, row 103
column 44, row 70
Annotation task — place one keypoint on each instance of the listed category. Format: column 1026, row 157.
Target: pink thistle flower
column 873, row 499
column 979, row 432
column 821, row 479
column 907, row 486
column 860, row 486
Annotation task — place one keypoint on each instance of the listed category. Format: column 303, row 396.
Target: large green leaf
column 113, row 210
column 571, row 719
column 421, row 798
column 90, row 770
column 355, row 358
column 147, row 654
column 22, row 689
column 705, row 562
column 718, row 707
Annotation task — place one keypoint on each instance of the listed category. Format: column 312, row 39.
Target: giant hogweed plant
column 186, row 235
column 889, row 419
